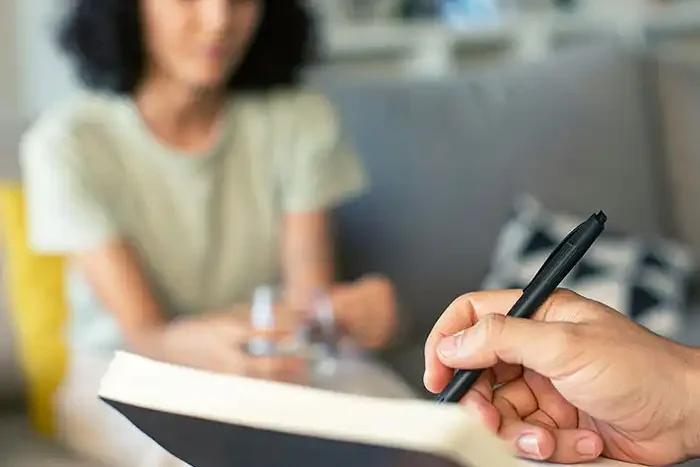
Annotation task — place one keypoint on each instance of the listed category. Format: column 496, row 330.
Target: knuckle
column 461, row 307
column 565, row 305
column 564, row 295
column 493, row 326
column 465, row 300
column 461, row 302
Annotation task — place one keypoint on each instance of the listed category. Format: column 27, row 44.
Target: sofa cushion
column 37, row 310
column 645, row 278
column 447, row 157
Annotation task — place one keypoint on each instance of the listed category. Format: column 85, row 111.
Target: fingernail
column 529, row 445
column 587, row 447
column 449, row 346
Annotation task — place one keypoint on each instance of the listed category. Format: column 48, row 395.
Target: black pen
column 559, row 264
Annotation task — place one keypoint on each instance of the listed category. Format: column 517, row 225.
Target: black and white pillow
column 645, row 279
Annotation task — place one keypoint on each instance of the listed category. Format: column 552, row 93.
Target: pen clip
column 554, row 255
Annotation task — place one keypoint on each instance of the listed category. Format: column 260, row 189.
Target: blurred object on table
column 328, row 359
column 262, row 318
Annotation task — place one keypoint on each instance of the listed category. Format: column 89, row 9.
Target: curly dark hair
column 103, row 38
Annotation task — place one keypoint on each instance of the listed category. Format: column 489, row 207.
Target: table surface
column 364, row 376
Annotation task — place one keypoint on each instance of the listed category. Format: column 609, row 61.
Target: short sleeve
column 66, row 210
column 324, row 169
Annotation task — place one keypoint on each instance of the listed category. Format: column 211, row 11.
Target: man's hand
column 578, row 381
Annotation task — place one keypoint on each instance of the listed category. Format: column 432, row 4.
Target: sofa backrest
column 447, row 158
column 679, row 90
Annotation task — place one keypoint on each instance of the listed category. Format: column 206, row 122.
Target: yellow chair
column 36, row 307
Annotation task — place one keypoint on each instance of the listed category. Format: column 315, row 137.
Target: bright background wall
column 8, row 61
column 42, row 75
column 33, row 75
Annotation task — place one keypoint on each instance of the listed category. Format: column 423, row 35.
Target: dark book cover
column 206, row 443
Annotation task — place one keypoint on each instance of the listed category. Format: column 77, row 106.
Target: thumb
column 540, row 346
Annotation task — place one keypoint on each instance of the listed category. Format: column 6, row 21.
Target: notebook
column 214, row 420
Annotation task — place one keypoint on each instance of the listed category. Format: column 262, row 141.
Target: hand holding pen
column 575, row 382
column 559, row 264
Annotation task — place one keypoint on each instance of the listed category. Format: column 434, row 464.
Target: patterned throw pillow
column 646, row 279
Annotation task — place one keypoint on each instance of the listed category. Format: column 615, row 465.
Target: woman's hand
column 578, row 381
column 217, row 341
column 366, row 309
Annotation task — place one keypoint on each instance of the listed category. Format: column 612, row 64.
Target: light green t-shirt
column 206, row 226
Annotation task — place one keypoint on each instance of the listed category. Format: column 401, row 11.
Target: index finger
column 462, row 314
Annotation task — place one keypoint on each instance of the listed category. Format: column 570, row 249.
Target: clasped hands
column 364, row 310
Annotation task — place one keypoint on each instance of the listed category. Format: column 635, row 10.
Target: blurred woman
column 191, row 170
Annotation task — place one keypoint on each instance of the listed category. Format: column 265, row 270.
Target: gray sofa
column 587, row 129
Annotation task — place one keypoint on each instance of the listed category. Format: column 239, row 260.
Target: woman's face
column 198, row 42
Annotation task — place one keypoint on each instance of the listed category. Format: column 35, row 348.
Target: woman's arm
column 365, row 308
column 321, row 172
column 211, row 341
column 114, row 275
column 307, row 256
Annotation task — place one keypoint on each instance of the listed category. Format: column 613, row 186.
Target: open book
column 214, row 420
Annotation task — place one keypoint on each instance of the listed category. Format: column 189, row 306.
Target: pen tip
column 602, row 218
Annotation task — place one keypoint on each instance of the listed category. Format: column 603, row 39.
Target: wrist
column 691, row 424
column 148, row 342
